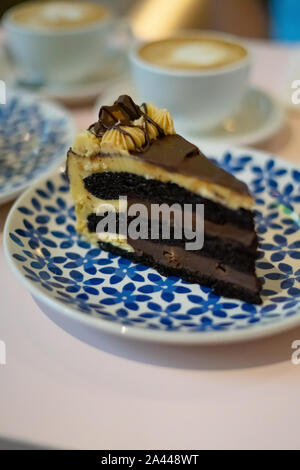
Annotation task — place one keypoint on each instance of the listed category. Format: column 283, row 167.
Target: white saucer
column 73, row 93
column 260, row 117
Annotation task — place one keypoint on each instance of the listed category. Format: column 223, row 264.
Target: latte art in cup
column 198, row 53
column 58, row 15
column 201, row 77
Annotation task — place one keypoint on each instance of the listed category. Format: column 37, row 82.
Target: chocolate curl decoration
column 122, row 113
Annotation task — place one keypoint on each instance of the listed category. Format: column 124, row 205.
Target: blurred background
column 273, row 19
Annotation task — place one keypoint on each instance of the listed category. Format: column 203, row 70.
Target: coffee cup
column 201, row 77
column 60, row 42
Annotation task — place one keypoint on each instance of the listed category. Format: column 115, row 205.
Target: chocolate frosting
column 171, row 152
column 176, row 154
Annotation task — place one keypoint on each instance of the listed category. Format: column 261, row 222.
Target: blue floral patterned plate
column 113, row 294
column 34, row 136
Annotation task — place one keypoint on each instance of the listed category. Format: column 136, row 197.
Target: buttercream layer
column 233, row 197
column 85, row 203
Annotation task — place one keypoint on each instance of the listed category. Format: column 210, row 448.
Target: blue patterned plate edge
column 47, row 108
column 170, row 337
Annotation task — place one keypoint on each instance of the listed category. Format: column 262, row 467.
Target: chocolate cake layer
column 111, row 185
column 206, row 271
column 228, row 252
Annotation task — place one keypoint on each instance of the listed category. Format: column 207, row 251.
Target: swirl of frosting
column 162, row 117
column 86, row 144
column 122, row 138
column 149, row 128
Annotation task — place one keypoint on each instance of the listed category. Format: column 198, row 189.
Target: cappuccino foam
column 58, row 15
column 192, row 53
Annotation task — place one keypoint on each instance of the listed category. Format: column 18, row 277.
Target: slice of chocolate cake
column 132, row 155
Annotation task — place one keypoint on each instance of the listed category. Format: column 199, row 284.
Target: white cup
column 61, row 56
column 199, row 100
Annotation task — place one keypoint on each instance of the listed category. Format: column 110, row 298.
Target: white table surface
column 80, row 389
